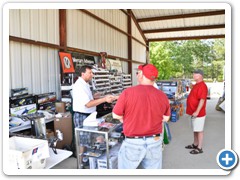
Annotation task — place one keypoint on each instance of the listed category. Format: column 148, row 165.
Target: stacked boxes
column 23, row 105
column 113, row 158
column 174, row 116
column 46, row 101
column 19, row 91
column 181, row 109
column 175, row 109
column 102, row 162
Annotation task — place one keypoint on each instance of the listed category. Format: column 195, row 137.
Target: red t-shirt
column 198, row 92
column 142, row 108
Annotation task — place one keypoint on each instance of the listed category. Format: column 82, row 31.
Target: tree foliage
column 177, row 59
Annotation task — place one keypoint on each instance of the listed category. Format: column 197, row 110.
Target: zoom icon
column 227, row 159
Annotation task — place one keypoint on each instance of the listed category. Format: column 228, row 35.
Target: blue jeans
column 145, row 152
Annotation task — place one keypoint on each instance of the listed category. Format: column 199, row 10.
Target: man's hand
column 109, row 98
column 195, row 114
column 116, row 98
column 166, row 118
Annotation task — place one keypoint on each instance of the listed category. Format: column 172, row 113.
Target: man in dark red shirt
column 142, row 109
column 196, row 108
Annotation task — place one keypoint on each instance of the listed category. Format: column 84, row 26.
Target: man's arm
column 115, row 116
column 107, row 98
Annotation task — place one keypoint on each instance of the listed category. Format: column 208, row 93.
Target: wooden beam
column 63, row 28
column 92, row 53
column 33, row 42
column 124, row 11
column 187, row 38
column 184, row 29
column 180, row 16
column 137, row 25
column 147, row 53
column 39, row 43
column 129, row 30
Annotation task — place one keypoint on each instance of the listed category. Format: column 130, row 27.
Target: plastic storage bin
column 27, row 153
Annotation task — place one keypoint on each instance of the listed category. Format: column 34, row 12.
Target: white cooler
column 27, row 153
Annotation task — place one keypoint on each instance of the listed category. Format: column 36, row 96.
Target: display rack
column 66, row 87
column 126, row 81
column 66, row 93
column 102, row 154
column 116, row 84
column 101, row 82
column 101, row 143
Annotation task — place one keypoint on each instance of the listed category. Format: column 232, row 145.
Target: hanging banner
column 81, row 59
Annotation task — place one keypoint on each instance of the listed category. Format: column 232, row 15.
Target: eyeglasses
column 138, row 72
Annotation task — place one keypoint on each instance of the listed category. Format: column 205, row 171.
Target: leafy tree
column 177, row 59
column 160, row 58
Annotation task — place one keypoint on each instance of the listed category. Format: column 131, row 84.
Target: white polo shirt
column 81, row 95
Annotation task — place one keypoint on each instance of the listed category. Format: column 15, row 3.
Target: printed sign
column 81, row 59
column 114, row 65
column 67, row 62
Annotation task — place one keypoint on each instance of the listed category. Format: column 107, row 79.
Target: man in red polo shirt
column 142, row 109
column 196, row 108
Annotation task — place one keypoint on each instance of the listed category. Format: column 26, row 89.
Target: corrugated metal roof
column 180, row 23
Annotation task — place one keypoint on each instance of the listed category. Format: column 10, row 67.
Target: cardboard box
column 60, row 107
column 27, row 153
column 64, row 125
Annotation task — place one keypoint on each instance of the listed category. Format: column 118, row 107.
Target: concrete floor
column 175, row 156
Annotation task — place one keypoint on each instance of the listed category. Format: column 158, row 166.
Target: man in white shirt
column 83, row 101
column 84, row 104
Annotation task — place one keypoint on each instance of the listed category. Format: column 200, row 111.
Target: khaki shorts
column 197, row 123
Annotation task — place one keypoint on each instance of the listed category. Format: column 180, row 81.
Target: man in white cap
column 196, row 109
column 142, row 109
